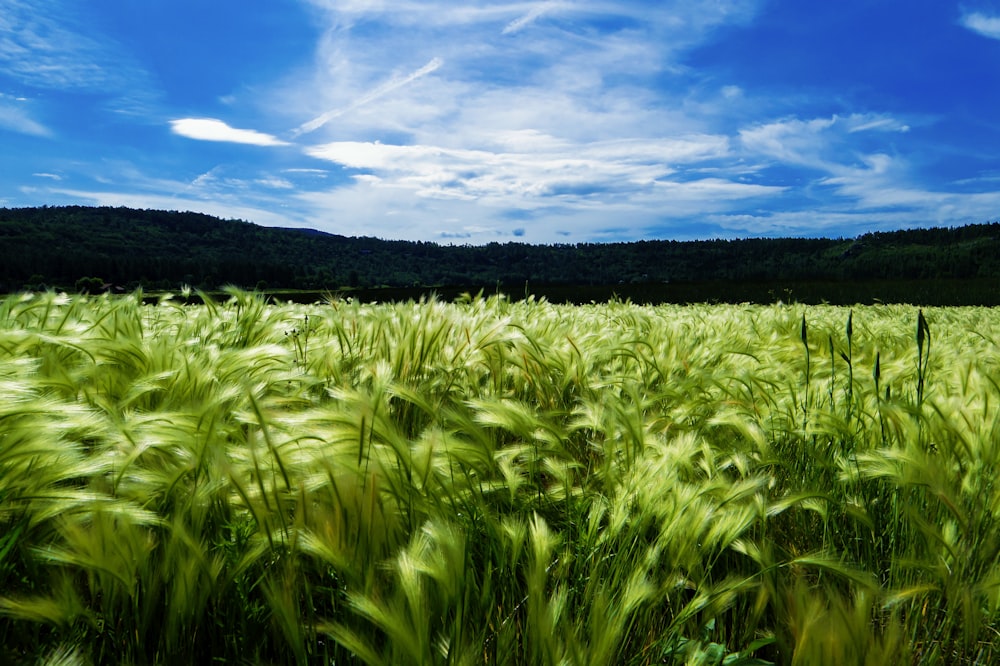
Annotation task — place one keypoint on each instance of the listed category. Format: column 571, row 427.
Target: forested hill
column 57, row 246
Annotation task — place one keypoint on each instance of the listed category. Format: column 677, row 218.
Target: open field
column 489, row 481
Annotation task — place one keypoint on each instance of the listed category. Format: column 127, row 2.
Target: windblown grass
column 495, row 482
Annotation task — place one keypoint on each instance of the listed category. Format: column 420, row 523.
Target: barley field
column 494, row 482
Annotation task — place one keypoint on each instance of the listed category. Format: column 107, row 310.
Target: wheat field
column 496, row 482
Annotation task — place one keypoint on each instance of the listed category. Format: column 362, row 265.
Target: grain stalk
column 849, row 358
column 804, row 335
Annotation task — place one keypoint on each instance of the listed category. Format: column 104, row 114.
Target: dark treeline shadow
column 972, row 292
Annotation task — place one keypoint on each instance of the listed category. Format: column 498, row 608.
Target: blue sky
column 470, row 122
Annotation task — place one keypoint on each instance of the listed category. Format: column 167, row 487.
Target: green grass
column 496, row 482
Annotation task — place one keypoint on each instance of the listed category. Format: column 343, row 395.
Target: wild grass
column 496, row 482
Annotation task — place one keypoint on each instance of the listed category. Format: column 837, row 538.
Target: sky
column 558, row 121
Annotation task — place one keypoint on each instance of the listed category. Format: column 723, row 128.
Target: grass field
column 498, row 482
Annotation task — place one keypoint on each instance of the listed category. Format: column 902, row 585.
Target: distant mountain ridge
column 56, row 246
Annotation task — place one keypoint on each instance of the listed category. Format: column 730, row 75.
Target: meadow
column 494, row 482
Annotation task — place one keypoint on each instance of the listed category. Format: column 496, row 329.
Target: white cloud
column 987, row 26
column 790, row 141
column 593, row 59
column 550, row 118
column 552, row 121
column 816, row 143
column 534, row 168
column 515, row 179
column 557, row 130
column 211, row 129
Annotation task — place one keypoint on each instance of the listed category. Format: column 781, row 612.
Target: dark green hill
column 57, row 246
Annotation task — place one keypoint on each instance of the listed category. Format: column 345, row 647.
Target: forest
column 91, row 248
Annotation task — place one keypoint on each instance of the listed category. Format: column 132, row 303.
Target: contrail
column 535, row 13
column 384, row 89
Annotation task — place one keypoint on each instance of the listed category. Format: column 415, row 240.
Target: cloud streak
column 212, row 129
column 534, row 14
column 381, row 91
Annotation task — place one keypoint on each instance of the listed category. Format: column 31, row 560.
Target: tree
column 91, row 285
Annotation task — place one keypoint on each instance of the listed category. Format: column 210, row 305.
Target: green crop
column 489, row 481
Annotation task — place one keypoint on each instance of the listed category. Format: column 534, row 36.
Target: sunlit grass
column 496, row 482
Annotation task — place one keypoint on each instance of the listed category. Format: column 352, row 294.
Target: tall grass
column 496, row 482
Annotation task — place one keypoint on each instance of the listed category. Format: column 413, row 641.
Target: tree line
column 127, row 248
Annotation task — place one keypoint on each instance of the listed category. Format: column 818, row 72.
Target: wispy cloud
column 44, row 45
column 817, row 142
column 792, row 140
column 983, row 24
column 212, row 129
column 426, row 14
column 851, row 188
column 15, row 118
column 866, row 122
column 692, row 16
column 275, row 183
column 593, row 54
column 555, row 133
